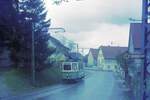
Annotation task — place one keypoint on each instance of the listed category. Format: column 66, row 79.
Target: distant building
column 107, row 59
column 92, row 57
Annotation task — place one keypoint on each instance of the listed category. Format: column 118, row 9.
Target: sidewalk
column 125, row 90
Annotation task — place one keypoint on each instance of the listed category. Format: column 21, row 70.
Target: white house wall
column 110, row 64
column 90, row 62
column 100, row 60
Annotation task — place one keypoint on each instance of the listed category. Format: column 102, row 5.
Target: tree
column 9, row 27
column 72, row 46
column 6, row 19
column 34, row 15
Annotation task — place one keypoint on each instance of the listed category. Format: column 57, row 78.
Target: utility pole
column 33, row 55
column 33, row 51
column 145, row 48
column 77, row 48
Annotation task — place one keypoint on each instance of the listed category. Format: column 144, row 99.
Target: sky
column 92, row 23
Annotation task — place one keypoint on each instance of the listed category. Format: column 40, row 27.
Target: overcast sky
column 92, row 23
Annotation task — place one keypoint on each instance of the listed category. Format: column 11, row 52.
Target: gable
column 131, row 46
column 100, row 54
column 100, row 58
column 94, row 53
column 136, row 35
column 90, row 56
column 90, row 59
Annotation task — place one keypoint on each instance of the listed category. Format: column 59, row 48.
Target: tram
column 73, row 70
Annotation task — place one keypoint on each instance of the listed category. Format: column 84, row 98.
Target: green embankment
column 19, row 80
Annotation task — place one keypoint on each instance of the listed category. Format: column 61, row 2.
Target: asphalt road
column 96, row 86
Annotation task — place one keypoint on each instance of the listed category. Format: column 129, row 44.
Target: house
column 135, row 63
column 61, row 52
column 65, row 41
column 92, row 57
column 56, row 44
column 107, row 57
column 134, row 45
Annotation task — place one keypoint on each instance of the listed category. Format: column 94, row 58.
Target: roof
column 136, row 33
column 111, row 52
column 59, row 46
column 75, row 56
column 94, row 53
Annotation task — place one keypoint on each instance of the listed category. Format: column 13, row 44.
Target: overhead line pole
column 145, row 6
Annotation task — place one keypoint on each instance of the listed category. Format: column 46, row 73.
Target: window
column 67, row 67
column 74, row 66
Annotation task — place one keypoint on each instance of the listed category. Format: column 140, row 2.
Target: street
column 96, row 86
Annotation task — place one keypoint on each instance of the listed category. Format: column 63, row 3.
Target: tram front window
column 67, row 67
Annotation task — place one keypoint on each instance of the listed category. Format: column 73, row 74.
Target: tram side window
column 67, row 67
column 81, row 65
column 74, row 66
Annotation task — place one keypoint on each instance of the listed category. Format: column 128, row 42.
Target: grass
column 17, row 80
column 20, row 81
column 48, row 77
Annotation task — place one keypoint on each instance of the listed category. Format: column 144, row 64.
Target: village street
column 97, row 85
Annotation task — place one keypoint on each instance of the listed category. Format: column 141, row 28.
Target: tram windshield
column 67, row 67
